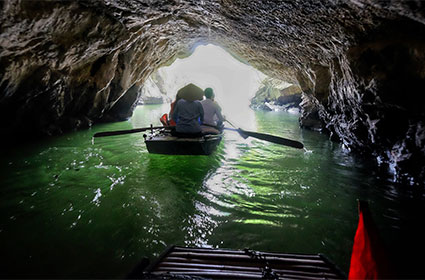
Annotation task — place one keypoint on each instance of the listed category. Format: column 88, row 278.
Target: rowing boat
column 163, row 142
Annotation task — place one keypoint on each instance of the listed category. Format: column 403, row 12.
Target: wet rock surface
column 276, row 95
column 360, row 64
column 153, row 91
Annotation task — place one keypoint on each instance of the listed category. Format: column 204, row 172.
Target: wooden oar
column 243, row 133
column 128, row 131
column 267, row 137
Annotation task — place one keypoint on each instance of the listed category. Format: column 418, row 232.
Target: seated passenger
column 166, row 119
column 172, row 106
column 188, row 113
column 213, row 119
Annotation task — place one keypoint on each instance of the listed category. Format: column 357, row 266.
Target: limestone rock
column 275, row 95
column 310, row 117
column 152, row 91
column 290, row 95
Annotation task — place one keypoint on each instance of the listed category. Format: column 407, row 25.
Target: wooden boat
column 163, row 142
column 206, row 263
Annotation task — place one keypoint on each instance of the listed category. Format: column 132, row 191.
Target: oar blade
column 128, row 131
column 118, row 132
column 273, row 139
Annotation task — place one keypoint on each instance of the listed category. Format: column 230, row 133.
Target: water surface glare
column 75, row 208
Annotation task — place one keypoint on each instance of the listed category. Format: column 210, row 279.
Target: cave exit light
column 233, row 82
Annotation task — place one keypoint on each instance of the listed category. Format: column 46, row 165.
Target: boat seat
column 206, row 130
column 186, row 135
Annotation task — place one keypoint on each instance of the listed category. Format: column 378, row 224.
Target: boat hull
column 165, row 143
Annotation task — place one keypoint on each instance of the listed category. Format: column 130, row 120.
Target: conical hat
column 191, row 93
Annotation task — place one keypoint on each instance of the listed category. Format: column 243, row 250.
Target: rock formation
column 153, row 91
column 360, row 63
column 275, row 95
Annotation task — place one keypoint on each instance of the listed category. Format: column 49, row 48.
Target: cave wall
column 67, row 64
column 388, row 69
column 360, row 63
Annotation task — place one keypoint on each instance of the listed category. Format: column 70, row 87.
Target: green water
column 75, row 208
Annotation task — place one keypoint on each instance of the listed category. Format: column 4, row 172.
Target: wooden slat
column 235, row 275
column 251, row 264
column 172, row 265
column 282, row 273
column 303, row 273
column 247, row 262
column 224, row 251
column 207, row 266
column 190, row 269
column 222, row 275
column 223, row 256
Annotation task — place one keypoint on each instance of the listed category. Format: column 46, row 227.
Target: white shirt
column 212, row 112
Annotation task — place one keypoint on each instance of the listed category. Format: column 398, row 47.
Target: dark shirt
column 188, row 115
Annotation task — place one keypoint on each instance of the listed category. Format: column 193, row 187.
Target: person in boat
column 188, row 112
column 213, row 119
column 173, row 104
column 166, row 119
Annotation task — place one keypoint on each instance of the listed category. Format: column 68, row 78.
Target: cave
column 76, row 64
column 70, row 65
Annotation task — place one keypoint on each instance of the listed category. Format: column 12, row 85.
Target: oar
column 273, row 139
column 268, row 137
column 128, row 131
column 244, row 136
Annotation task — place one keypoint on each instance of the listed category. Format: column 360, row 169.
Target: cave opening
column 233, row 81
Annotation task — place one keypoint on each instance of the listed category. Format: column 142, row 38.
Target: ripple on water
column 116, row 203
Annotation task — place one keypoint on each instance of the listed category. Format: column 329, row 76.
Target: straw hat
column 191, row 93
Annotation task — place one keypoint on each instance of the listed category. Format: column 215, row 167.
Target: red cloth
column 172, row 122
column 368, row 258
column 363, row 265
column 164, row 120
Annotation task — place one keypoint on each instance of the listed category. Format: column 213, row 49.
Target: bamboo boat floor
column 204, row 263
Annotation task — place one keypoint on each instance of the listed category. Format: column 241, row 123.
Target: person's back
column 188, row 115
column 212, row 111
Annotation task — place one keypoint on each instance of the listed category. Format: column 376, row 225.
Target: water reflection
column 110, row 203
